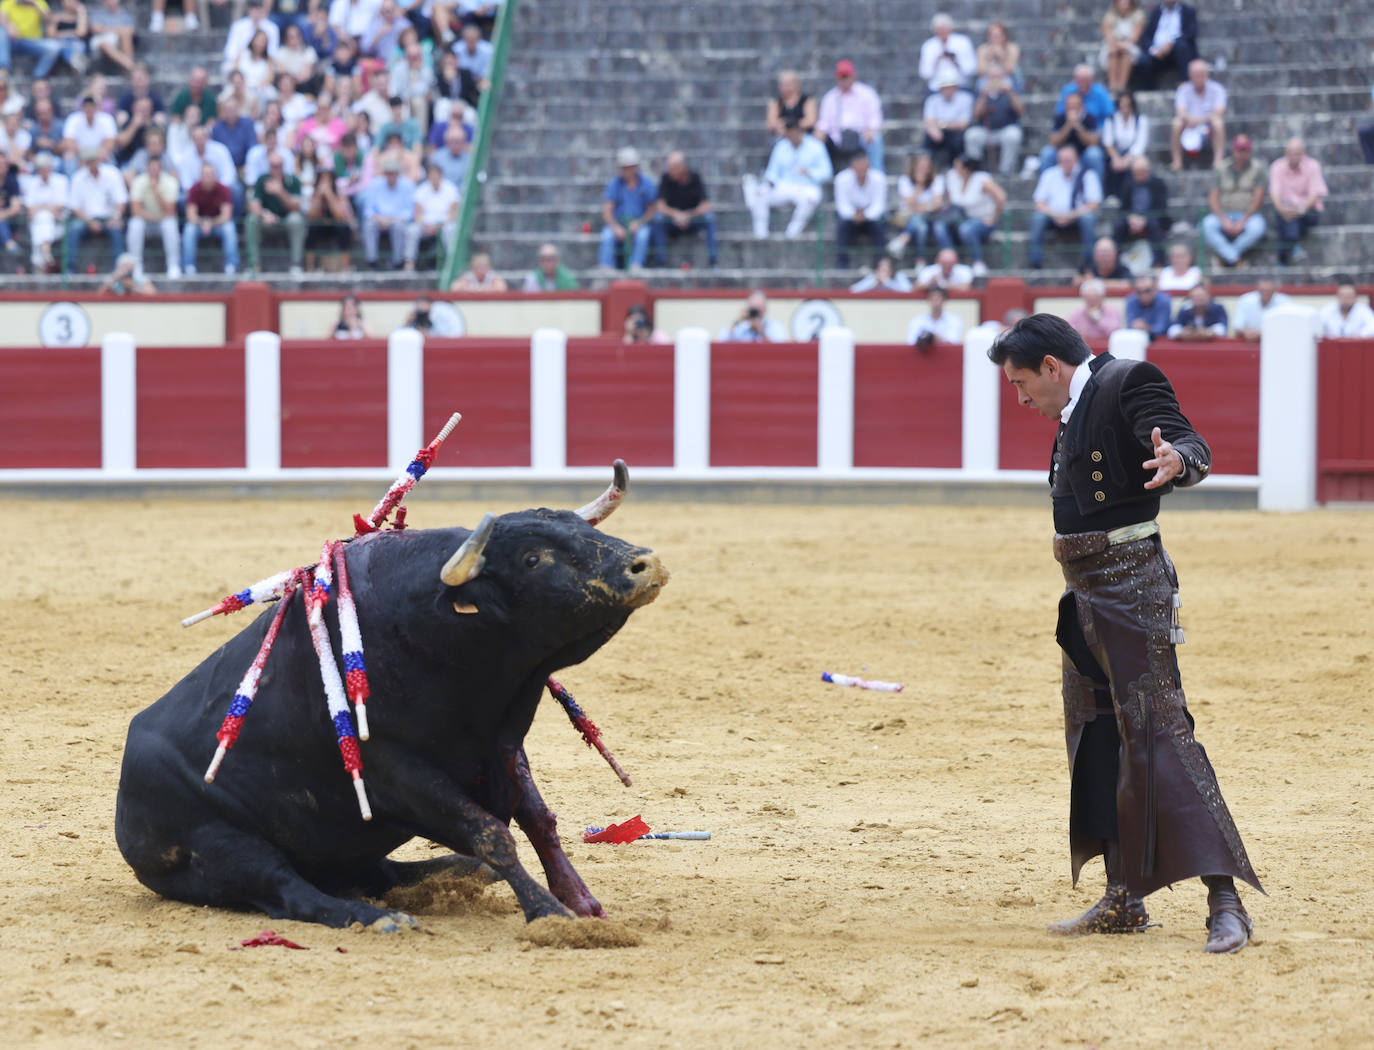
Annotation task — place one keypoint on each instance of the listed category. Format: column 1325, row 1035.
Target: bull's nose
column 647, row 577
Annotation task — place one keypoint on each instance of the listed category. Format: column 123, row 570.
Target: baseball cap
column 844, row 68
column 1240, row 142
column 626, row 157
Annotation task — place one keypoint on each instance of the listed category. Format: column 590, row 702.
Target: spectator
column 88, row 128
column 351, row 324
column 112, row 33
column 21, row 33
column 1144, row 207
column 979, row 201
column 936, row 325
column 640, row 329
column 1148, row 309
column 243, row 30
column 550, row 275
column 1298, row 191
column 341, row 67
column 153, row 201
column 946, row 51
column 1235, row 224
column 474, row 56
column 754, row 325
column 999, row 52
column 126, row 278
column 390, row 208
column 351, row 175
column 204, row 150
column 254, row 65
column 1125, row 137
column 97, row 201
column 235, row 133
column 790, row 104
column 71, row 25
column 452, row 157
column 861, row 204
column 45, row 130
column 1121, row 27
column 1066, row 197
column 330, row 222
column 1078, row 129
column 797, row 169
column 684, row 207
column 996, row 121
column 45, row 201
column 307, row 163
column 196, row 93
column 1181, row 275
column 1252, row 306
column 412, row 79
column 851, row 119
column 255, row 165
column 920, row 202
column 351, row 18
column 479, row 277
column 16, row 142
column 1347, row 317
column 318, row 34
column 298, row 59
column 140, row 87
column 451, row 86
column 1168, row 41
column 11, row 99
column 292, row 106
column 209, row 210
column 946, row 115
column 483, row 12
column 326, row 126
column 376, row 100
column 436, row 212
column 276, row 205
column 383, row 36
column 404, row 128
column 1201, row 318
column 1097, row 100
column 627, row 208
column 154, row 145
column 1199, row 115
column 884, row 278
column 11, row 205
column 945, row 272
column 1095, row 319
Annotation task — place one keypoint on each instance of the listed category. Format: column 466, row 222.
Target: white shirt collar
column 1081, row 374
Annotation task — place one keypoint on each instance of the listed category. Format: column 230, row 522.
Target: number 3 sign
column 64, row 324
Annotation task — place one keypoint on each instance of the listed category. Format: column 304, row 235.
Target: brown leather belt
column 1074, row 545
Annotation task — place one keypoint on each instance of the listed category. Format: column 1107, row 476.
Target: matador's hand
column 1167, row 464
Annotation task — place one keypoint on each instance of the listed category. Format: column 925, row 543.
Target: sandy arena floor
column 882, row 866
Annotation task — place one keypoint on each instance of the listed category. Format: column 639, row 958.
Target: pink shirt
column 1108, row 322
column 1294, row 187
column 858, row 109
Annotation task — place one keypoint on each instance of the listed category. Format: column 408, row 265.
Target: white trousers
column 42, row 230
column 171, row 242
column 760, row 197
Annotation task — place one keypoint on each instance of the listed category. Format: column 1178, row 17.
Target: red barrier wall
column 333, row 404
column 1218, row 389
column 1025, row 438
column 620, row 403
column 489, row 382
column 50, row 407
column 1345, row 425
column 190, row 407
column 907, row 408
column 763, row 404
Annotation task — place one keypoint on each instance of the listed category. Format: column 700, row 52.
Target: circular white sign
column 64, row 324
column 811, row 316
column 446, row 320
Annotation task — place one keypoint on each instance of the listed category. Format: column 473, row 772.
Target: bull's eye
column 531, row 560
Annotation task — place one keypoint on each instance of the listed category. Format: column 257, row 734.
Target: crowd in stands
column 328, row 126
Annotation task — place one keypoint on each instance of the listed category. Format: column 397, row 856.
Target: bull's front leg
column 541, row 827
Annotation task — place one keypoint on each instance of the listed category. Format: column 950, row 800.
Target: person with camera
column 639, row 329
column 754, row 324
column 935, row 326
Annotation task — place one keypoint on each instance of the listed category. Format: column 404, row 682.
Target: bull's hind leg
column 226, row 867
column 541, row 827
column 386, row 875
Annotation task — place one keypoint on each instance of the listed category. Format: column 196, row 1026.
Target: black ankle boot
column 1228, row 925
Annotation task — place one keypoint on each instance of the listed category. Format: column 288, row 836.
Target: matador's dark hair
column 1032, row 339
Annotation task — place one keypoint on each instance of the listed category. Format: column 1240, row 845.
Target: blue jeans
column 228, row 240
column 609, row 251
column 1092, row 157
column 77, row 230
column 6, row 235
column 1231, row 251
column 1040, row 225
column 920, row 228
column 1292, row 230
column 664, row 227
column 43, row 50
column 972, row 234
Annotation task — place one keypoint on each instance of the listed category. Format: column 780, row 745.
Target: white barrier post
column 262, row 401
column 835, row 399
column 692, row 399
column 118, row 402
column 1288, row 409
column 982, row 388
column 1129, row 344
column 548, row 399
column 405, row 396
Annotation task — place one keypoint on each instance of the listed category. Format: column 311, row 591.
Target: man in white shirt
column 1347, row 317
column 45, row 201
column 945, row 272
column 1067, row 196
column 797, row 169
column 352, row 17
column 436, row 212
column 242, row 31
column 754, row 324
column 1199, row 114
column 255, row 165
column 861, row 203
column 945, row 117
column 1252, row 306
column 937, row 326
column 947, row 51
column 205, row 150
column 153, row 201
column 97, row 197
column 87, row 128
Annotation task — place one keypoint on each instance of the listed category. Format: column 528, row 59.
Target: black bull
column 456, row 673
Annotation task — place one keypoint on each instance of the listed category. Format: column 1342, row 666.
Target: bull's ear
column 467, row 561
column 601, row 508
column 464, row 607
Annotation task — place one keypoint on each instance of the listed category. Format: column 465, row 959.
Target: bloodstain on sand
column 881, row 869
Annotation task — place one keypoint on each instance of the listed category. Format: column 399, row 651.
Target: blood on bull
column 463, row 630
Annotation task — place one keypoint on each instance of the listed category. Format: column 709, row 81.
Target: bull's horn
column 467, row 560
column 601, row 508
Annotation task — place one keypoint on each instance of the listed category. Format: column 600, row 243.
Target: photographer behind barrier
column 754, row 324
